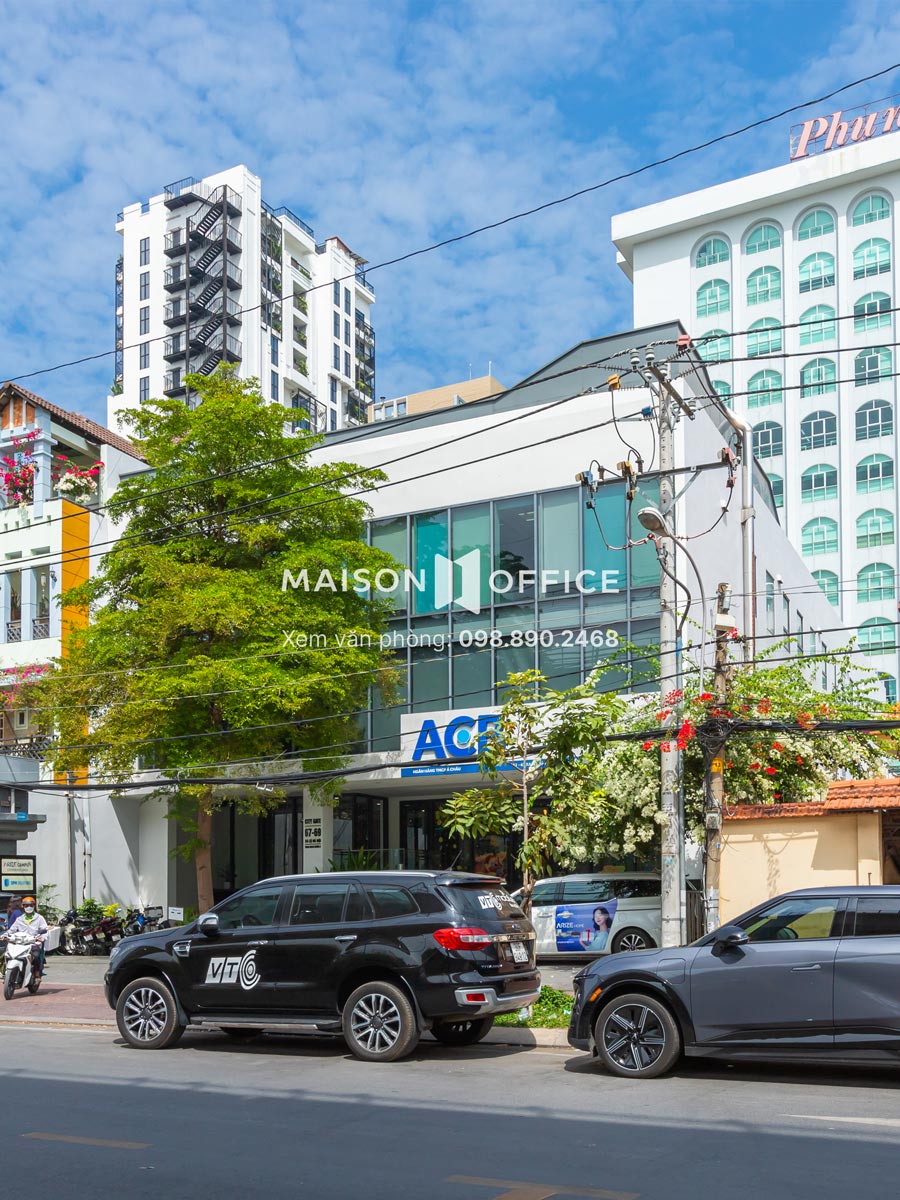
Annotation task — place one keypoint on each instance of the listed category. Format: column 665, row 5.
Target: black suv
column 378, row 956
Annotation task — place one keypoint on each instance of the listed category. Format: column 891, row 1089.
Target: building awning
column 844, row 795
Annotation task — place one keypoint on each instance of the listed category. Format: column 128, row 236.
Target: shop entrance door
column 417, row 835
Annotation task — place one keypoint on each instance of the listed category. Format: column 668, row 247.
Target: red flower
column 661, row 716
column 754, row 766
column 799, row 759
column 666, row 746
column 706, row 697
column 646, row 745
column 770, row 770
column 729, row 764
column 764, row 706
column 777, row 746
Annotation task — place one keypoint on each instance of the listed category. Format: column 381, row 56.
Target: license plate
column 519, row 952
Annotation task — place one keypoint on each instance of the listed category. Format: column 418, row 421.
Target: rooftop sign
column 845, row 126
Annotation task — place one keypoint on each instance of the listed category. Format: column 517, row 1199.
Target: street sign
column 19, row 874
column 176, row 914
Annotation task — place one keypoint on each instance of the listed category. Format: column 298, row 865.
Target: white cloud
column 390, row 125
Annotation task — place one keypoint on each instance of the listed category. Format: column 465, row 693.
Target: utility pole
column 714, row 739
column 672, row 834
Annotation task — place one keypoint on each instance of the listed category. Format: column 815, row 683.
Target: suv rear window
column 481, row 900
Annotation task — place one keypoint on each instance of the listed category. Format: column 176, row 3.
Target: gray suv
column 809, row 975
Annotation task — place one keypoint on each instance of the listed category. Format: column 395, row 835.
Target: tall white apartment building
column 210, row 272
column 787, row 280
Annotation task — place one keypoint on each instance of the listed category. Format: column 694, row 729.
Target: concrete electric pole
column 714, row 741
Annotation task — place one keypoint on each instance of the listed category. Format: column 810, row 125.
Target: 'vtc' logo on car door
column 234, row 970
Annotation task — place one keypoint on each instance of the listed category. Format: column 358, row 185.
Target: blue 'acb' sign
column 461, row 737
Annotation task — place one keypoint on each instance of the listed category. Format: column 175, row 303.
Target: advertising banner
column 585, row 928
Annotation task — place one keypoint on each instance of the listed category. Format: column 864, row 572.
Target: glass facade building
column 449, row 657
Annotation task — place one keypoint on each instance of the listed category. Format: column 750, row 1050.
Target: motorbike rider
column 32, row 923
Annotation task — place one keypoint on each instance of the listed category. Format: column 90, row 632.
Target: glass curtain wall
column 450, row 657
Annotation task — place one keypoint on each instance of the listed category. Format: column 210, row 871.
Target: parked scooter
column 17, row 965
column 104, row 935
column 72, row 933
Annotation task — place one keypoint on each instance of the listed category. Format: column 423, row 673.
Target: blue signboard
column 584, row 928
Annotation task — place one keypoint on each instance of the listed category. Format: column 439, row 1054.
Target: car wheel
column 462, row 1033
column 379, row 1023
column 637, row 1037
column 241, row 1033
column 147, row 1015
column 632, row 939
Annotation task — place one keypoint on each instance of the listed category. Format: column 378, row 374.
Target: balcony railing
column 234, row 275
column 284, row 211
column 25, row 747
column 173, row 384
column 355, row 408
column 174, row 278
column 174, row 347
column 300, row 304
column 40, row 627
column 361, row 278
column 14, row 631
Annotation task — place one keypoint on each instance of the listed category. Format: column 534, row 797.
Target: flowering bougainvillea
column 762, row 767
column 67, row 478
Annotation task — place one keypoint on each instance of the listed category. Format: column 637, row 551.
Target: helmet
column 29, row 900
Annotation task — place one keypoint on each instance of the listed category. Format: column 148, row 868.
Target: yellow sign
column 718, row 766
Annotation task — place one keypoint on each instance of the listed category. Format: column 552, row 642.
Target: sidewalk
column 69, row 996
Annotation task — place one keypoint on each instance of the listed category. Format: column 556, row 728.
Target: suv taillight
column 462, row 939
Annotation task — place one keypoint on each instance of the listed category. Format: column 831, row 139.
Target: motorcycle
column 104, row 935
column 72, row 934
column 18, row 969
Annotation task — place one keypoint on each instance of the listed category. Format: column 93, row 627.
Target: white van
column 596, row 914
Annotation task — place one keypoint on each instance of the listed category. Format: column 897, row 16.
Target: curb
column 528, row 1038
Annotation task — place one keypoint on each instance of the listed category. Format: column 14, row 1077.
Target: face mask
column 29, row 908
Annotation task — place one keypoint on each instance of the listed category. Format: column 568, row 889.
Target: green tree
column 542, row 759
column 785, row 757
column 195, row 655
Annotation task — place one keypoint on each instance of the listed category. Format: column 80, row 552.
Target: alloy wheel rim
column 634, row 1037
column 633, row 941
column 375, row 1023
column 145, row 1014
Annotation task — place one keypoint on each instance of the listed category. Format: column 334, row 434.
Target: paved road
column 298, row 1117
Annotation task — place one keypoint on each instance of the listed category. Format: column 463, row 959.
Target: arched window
column 764, row 337
column 713, row 250
column 818, row 377
column 768, row 439
column 876, row 582
column 763, row 284
column 877, row 636
column 819, row 483
column 714, row 345
column 763, row 237
column 777, row 488
column 817, row 325
column 817, row 271
column 818, row 430
column 875, row 474
column 871, row 366
column 764, row 388
column 871, row 208
column 875, row 528
column 723, row 391
column 815, row 224
column 874, row 419
column 872, row 311
column 819, row 536
column 828, row 582
column 871, row 258
column 713, row 297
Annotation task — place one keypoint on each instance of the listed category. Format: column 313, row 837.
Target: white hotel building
column 210, row 272
column 787, row 281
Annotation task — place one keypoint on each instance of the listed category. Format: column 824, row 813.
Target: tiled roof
column 74, row 421
column 844, row 795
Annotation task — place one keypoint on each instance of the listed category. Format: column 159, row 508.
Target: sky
column 394, row 125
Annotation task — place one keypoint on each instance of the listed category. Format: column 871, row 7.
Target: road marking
column 893, row 1122
column 520, row 1190
column 86, row 1141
